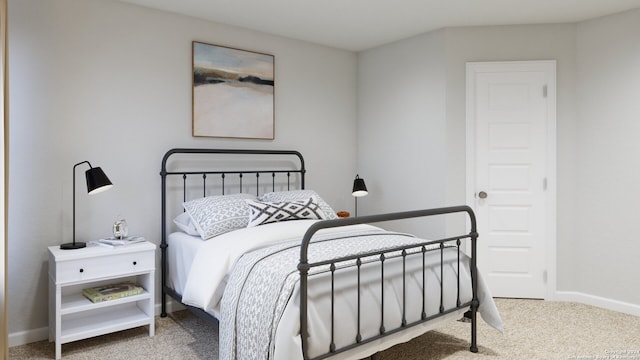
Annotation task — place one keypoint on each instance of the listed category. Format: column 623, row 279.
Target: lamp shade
column 97, row 180
column 359, row 188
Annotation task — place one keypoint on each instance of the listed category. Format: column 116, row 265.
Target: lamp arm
column 74, row 197
column 81, row 162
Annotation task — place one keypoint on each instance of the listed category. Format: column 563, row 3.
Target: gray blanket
column 263, row 280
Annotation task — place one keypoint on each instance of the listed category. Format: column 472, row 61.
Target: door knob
column 482, row 195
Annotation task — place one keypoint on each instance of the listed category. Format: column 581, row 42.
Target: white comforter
column 215, row 258
column 209, row 271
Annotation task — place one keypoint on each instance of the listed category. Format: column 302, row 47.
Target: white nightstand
column 73, row 317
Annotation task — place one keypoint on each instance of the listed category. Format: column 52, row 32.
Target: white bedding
column 215, row 258
column 183, row 249
column 205, row 265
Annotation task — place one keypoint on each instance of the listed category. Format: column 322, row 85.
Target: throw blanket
column 263, row 281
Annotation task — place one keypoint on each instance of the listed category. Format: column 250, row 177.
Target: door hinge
column 544, row 91
column 544, row 276
column 544, row 184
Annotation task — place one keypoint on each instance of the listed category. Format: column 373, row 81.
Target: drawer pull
column 135, row 263
column 81, row 270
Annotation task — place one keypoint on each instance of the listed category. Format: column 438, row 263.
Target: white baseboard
column 29, row 336
column 601, row 302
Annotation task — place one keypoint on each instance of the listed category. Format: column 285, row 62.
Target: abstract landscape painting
column 232, row 93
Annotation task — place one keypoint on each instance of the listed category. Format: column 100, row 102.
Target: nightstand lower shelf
column 102, row 321
column 77, row 302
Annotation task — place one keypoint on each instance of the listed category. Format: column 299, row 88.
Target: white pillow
column 215, row 215
column 295, row 195
column 184, row 223
column 268, row 212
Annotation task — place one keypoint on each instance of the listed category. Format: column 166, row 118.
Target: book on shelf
column 112, row 291
column 115, row 242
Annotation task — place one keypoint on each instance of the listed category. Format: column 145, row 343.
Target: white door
column 510, row 162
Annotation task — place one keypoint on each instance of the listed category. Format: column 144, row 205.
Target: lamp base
column 73, row 245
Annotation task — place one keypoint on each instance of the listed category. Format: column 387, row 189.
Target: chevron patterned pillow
column 268, row 212
column 296, row 195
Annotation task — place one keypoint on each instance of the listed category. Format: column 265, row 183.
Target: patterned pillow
column 268, row 212
column 215, row 215
column 295, row 195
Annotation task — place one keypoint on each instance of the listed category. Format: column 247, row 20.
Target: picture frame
column 232, row 93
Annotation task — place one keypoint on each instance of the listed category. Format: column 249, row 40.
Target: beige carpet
column 533, row 330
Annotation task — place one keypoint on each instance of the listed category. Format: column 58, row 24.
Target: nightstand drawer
column 104, row 267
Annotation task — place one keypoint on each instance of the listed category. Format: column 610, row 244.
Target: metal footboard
column 304, row 267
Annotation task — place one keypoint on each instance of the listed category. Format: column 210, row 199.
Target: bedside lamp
column 359, row 190
column 97, row 181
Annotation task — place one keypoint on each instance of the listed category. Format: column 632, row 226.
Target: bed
column 245, row 244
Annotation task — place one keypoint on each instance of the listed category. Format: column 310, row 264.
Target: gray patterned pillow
column 268, row 212
column 215, row 215
column 295, row 195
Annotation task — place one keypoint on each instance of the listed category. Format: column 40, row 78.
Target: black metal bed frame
column 305, row 266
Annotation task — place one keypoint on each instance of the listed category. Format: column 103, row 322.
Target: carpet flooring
column 534, row 329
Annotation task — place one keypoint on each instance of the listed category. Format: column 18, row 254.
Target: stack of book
column 115, row 242
column 112, row 291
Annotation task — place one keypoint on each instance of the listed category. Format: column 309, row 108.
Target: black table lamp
column 97, row 181
column 359, row 190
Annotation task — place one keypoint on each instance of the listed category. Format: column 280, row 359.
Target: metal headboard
column 242, row 174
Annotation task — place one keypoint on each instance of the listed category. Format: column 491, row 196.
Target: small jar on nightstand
column 74, row 317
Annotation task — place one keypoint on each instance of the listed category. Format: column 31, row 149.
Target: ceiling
column 362, row 24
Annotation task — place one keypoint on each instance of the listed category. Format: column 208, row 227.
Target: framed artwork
column 232, row 93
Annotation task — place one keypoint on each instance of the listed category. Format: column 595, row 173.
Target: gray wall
column 598, row 82
column 608, row 170
column 401, row 127
column 111, row 83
